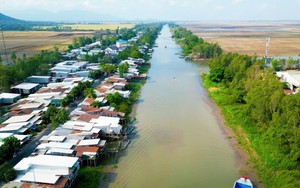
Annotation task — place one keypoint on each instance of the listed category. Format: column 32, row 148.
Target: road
column 29, row 147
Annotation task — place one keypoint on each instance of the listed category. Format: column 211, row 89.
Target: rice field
column 91, row 27
column 98, row 26
column 32, row 42
column 250, row 37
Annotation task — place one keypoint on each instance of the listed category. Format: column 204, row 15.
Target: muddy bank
column 242, row 158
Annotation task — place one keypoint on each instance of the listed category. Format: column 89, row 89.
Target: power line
column 4, row 44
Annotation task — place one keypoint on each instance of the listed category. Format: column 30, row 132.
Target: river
column 180, row 142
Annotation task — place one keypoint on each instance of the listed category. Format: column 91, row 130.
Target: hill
column 7, row 19
column 9, row 23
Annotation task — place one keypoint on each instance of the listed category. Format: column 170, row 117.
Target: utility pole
column 4, row 44
column 267, row 49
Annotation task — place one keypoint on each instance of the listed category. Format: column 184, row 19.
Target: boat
column 125, row 144
column 243, row 182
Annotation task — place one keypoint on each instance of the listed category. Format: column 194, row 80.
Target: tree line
column 21, row 68
column 251, row 96
column 192, row 44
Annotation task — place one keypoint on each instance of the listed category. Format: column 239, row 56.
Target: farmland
column 31, row 42
column 98, row 26
column 249, row 37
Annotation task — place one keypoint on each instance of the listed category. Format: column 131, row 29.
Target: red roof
column 87, row 117
column 102, row 90
column 89, row 100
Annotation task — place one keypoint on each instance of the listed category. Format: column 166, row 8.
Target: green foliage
column 252, row 97
column 95, row 74
column 59, row 118
column 96, row 104
column 51, row 111
column 13, row 57
column 75, row 93
column 123, row 68
column 192, row 44
column 55, row 116
column 8, row 148
column 131, row 51
column 90, row 93
column 107, row 68
column 7, row 172
column 22, row 68
column 126, row 33
column 89, row 177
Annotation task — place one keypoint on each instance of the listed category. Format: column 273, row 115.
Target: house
column 22, row 138
column 9, row 98
column 292, row 78
column 48, row 170
column 95, row 51
column 94, row 44
column 62, row 69
column 111, row 50
column 89, row 155
column 124, row 94
column 25, row 88
column 121, row 43
column 42, row 80
column 20, row 124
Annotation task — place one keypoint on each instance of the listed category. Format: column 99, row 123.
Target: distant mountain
column 7, row 19
column 65, row 16
column 9, row 23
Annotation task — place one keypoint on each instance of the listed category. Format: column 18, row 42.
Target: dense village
column 72, row 119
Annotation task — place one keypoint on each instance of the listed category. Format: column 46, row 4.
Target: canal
column 180, row 142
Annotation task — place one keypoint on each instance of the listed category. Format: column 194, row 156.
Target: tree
column 90, row 93
column 59, row 118
column 51, row 111
column 108, row 68
column 8, row 148
column 75, row 42
column 290, row 63
column 121, row 71
column 7, row 172
column 13, row 57
column 70, row 47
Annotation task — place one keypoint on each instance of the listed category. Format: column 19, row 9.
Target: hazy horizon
column 143, row 10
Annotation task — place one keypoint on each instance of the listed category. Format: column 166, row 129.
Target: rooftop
column 17, row 119
column 25, row 86
column 89, row 142
column 9, row 95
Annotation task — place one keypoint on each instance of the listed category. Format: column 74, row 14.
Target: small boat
column 243, row 182
column 165, row 46
column 125, row 144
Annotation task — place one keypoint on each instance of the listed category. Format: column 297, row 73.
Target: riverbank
column 242, row 156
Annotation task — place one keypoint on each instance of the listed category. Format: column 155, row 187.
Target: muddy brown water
column 179, row 142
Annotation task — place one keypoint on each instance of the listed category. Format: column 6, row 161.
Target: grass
column 249, row 137
column 249, row 37
column 89, row 177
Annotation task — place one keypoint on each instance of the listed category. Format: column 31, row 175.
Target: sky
column 158, row 10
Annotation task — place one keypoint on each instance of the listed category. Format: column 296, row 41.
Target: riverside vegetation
column 265, row 120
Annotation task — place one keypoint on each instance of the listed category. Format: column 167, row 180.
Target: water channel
column 180, row 142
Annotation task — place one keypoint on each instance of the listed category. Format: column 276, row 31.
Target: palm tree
column 90, row 93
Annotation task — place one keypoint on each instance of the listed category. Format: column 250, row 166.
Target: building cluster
column 81, row 141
